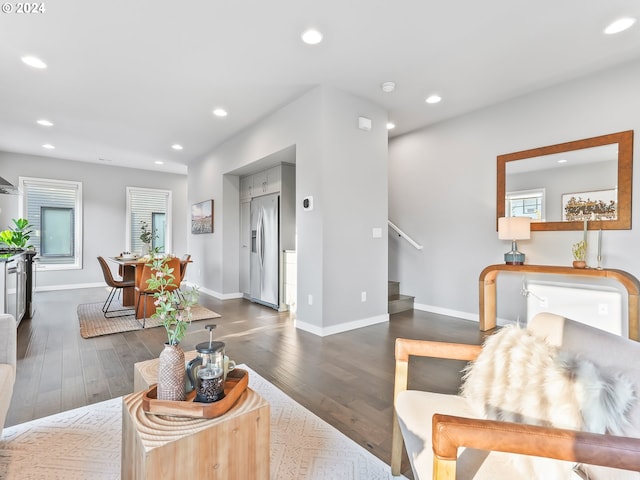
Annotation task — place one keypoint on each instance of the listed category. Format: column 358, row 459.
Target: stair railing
column 405, row 236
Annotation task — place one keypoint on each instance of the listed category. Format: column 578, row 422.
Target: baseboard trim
column 474, row 317
column 218, row 295
column 73, row 286
column 342, row 327
column 447, row 311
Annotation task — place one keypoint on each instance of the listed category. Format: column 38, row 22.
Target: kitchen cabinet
column 260, row 183
column 16, row 284
column 246, row 185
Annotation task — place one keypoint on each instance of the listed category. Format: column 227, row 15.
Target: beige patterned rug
column 93, row 323
column 85, row 443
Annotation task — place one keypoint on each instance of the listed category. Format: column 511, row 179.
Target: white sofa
column 8, row 346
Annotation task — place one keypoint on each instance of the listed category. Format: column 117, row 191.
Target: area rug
column 93, row 323
column 85, row 444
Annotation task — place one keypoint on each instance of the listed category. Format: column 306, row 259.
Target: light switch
column 376, row 232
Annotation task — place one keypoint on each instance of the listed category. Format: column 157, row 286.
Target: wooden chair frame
column 450, row 433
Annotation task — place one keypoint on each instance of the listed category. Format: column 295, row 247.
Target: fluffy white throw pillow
column 518, row 377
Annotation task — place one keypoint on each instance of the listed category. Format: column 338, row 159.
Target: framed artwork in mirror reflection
column 596, row 205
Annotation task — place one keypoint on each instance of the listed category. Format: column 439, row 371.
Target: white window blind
column 153, row 207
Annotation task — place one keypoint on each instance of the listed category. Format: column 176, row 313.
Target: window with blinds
column 54, row 210
column 152, row 208
column 526, row 203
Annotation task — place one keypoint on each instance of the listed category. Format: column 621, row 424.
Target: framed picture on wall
column 202, row 217
column 596, row 205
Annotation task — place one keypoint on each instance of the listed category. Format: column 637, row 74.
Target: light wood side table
column 488, row 289
column 234, row 445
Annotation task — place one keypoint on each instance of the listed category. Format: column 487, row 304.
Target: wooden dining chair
column 116, row 286
column 142, row 287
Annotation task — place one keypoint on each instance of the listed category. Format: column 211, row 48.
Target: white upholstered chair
column 445, row 439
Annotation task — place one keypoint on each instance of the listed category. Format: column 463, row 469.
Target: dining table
column 130, row 268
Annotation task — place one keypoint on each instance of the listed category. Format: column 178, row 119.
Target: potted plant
column 579, row 251
column 173, row 308
column 17, row 237
column 147, row 237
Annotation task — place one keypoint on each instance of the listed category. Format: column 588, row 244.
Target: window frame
column 540, row 193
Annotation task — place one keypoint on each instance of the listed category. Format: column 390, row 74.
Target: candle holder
column 599, row 267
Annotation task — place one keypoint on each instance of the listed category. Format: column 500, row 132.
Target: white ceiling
column 126, row 79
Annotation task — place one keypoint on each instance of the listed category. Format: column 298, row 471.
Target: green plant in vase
column 173, row 309
column 579, row 251
column 147, row 236
column 17, row 237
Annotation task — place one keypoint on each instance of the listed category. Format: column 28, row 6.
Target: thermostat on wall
column 307, row 203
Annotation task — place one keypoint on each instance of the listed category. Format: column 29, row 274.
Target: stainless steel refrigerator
column 265, row 250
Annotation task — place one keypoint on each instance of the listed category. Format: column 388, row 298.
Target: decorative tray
column 234, row 385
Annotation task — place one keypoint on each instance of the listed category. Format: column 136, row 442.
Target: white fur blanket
column 518, row 377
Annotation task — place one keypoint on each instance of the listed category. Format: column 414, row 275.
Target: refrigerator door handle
column 262, row 238
column 259, row 237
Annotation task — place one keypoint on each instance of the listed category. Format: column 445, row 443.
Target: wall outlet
column 544, row 302
column 363, row 296
column 310, row 299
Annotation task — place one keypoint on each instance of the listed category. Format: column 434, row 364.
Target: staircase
column 397, row 302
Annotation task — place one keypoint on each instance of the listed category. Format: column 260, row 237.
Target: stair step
column 393, row 290
column 401, row 304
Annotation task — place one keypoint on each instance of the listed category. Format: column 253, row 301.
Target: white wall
column 345, row 170
column 104, row 208
column 442, row 190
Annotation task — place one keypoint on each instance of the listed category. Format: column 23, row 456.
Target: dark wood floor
column 346, row 379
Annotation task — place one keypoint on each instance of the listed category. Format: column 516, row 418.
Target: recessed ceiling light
column 391, row 125
column 311, row 36
column 562, row 160
column 619, row 25
column 388, row 87
column 48, row 146
column 220, row 112
column 34, row 62
column 433, row 99
column 44, row 123
column 159, row 162
column 176, row 146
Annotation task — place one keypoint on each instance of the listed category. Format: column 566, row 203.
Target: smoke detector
column 388, row 87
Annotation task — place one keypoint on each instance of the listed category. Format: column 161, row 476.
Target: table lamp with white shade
column 514, row 228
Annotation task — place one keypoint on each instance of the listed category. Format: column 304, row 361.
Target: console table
column 488, row 289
